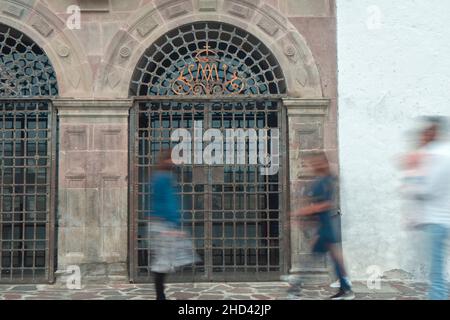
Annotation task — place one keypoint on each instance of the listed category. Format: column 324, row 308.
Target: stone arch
column 258, row 18
column 58, row 42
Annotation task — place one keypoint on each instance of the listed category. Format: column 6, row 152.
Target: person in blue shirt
column 165, row 221
column 165, row 202
column 322, row 194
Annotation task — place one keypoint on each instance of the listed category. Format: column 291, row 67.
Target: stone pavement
column 391, row 290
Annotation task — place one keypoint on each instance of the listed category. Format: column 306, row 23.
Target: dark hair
column 437, row 122
column 164, row 155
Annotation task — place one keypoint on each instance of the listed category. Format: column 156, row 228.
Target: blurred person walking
column 170, row 246
column 428, row 184
column 322, row 196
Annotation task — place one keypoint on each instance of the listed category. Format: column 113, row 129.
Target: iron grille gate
column 27, row 190
column 234, row 214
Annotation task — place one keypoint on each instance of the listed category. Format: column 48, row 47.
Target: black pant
column 159, row 285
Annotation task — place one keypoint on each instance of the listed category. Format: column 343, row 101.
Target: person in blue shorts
column 321, row 196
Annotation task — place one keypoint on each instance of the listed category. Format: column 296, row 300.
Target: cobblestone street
column 209, row 291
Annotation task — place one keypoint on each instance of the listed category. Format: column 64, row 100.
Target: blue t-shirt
column 322, row 190
column 165, row 203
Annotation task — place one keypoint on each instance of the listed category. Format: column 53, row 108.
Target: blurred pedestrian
column 322, row 198
column 429, row 187
column 170, row 246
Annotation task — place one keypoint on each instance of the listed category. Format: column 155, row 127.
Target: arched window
column 25, row 70
column 207, row 58
column 27, row 159
column 231, row 210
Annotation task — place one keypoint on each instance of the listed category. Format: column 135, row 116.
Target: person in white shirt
column 432, row 194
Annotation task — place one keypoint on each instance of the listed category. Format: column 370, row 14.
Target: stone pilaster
column 306, row 123
column 92, row 198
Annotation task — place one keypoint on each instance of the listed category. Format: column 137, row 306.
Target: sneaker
column 344, row 295
column 337, row 284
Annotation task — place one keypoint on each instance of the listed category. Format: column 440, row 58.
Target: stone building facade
column 93, row 210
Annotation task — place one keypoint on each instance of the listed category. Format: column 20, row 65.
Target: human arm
column 313, row 209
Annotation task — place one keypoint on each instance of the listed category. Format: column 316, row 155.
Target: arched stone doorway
column 221, row 77
column 27, row 159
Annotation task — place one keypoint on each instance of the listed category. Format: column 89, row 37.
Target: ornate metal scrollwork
column 202, row 78
column 207, row 58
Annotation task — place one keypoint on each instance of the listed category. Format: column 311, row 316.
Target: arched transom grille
column 207, row 58
column 25, row 70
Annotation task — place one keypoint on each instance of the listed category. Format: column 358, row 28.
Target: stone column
column 306, row 126
column 93, row 188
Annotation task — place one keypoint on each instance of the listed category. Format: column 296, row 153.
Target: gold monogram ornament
column 204, row 76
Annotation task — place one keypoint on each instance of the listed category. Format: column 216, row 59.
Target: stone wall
column 94, row 66
column 392, row 68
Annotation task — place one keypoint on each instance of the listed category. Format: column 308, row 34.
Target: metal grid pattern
column 25, row 70
column 233, row 213
column 233, row 48
column 26, row 189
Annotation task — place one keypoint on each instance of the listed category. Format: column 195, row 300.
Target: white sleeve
column 437, row 177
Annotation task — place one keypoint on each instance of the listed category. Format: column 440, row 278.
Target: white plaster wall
column 394, row 65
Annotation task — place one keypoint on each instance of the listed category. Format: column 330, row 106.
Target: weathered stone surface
column 307, row 8
column 74, row 211
column 397, row 274
column 173, row 9
column 42, row 26
column 120, row 5
column 207, row 5
column 75, row 244
column 111, row 137
column 147, row 26
column 176, row 10
column 74, row 138
column 23, row 288
column 268, row 26
column 278, row 291
column 239, row 10
column 210, row 297
column 183, row 296
column 10, row 296
column 118, row 268
column 98, row 5
column 96, row 213
column 13, row 10
column 113, row 240
column 88, row 35
column 109, row 30
column 385, row 288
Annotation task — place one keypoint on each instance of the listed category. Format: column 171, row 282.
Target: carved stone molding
column 63, row 50
column 125, row 52
column 42, row 26
column 306, row 107
column 93, row 107
column 13, row 10
column 262, row 20
column 207, row 5
column 146, row 26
